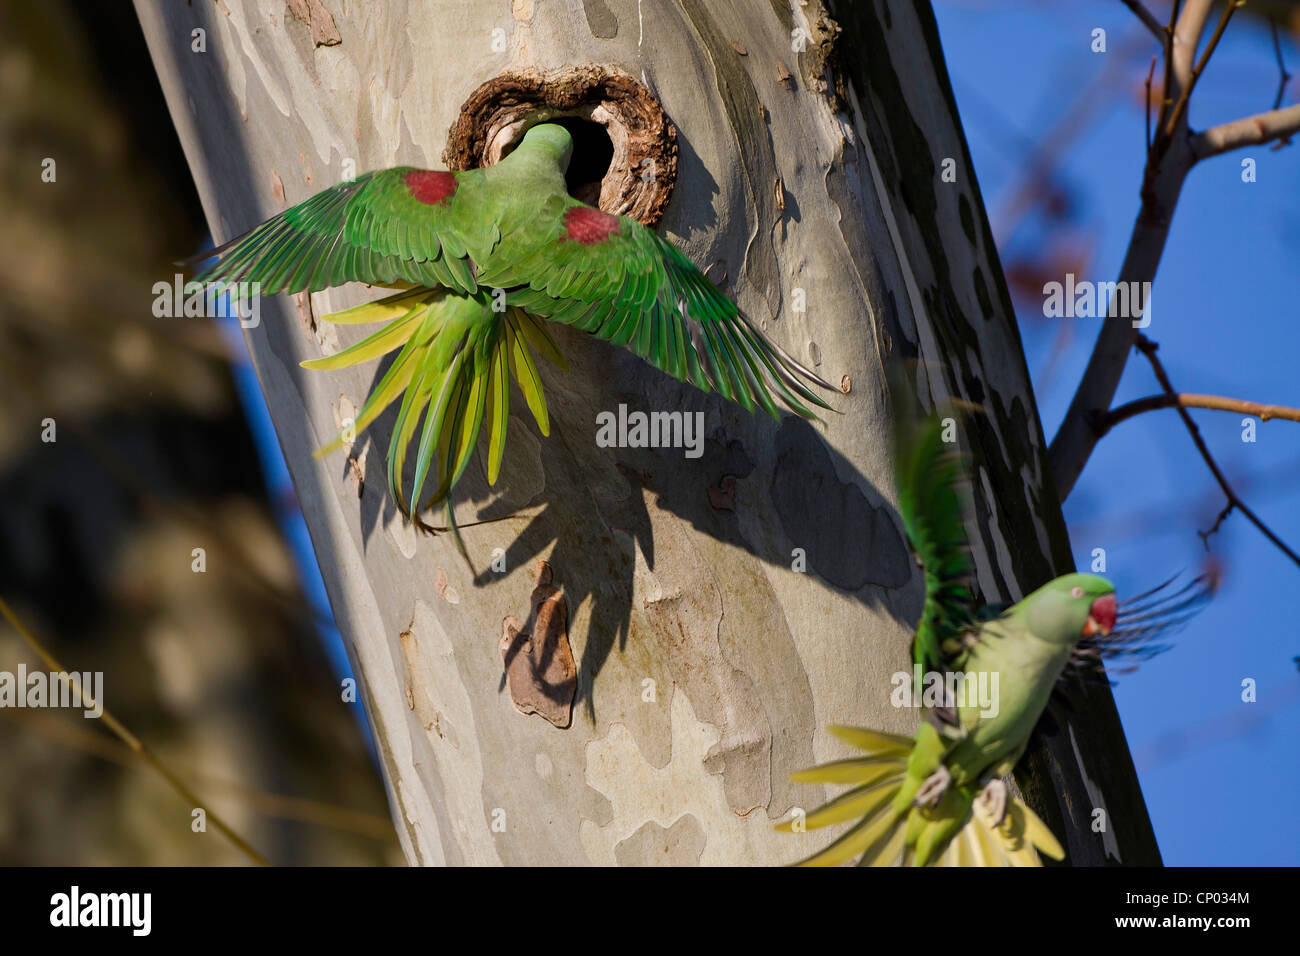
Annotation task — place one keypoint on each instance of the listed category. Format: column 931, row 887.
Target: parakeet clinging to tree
column 481, row 256
column 939, row 797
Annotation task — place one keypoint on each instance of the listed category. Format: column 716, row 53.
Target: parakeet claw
column 935, row 786
column 993, row 800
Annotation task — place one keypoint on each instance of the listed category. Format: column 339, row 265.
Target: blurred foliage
column 221, row 673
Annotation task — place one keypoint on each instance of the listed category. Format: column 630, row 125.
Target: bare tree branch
column 1250, row 131
column 1170, row 80
column 1171, row 155
column 1188, row 25
column 129, row 739
column 1179, row 113
column 275, row 805
column 1148, row 348
column 377, row 576
column 1191, row 400
column 1077, row 436
column 1149, row 21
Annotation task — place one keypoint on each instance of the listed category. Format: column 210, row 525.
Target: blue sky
column 1220, row 776
column 285, row 505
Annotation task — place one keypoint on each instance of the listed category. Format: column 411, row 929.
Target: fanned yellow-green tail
column 507, row 236
column 457, row 356
column 890, row 831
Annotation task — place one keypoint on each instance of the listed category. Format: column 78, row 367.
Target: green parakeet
column 481, row 256
column 939, row 797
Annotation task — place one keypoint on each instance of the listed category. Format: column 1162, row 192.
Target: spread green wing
column 928, row 472
column 613, row 277
column 384, row 227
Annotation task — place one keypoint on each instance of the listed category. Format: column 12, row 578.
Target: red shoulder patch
column 430, row 186
column 589, row 226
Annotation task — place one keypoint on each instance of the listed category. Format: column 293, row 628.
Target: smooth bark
column 810, row 175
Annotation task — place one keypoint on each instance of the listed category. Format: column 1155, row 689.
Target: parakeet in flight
column 481, row 257
column 939, row 797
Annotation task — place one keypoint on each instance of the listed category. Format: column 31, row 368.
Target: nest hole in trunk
column 593, row 153
column 624, row 146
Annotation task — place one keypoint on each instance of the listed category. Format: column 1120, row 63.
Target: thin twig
column 1171, row 35
column 275, row 805
column 1191, row 400
column 128, row 738
column 1205, row 536
column 1277, row 124
column 1148, row 20
column 1138, row 522
column 1148, row 348
column 1284, row 76
column 1172, row 153
column 1185, row 94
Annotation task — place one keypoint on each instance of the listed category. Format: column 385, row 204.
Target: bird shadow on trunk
column 775, row 490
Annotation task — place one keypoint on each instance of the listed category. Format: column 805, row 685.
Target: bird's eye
column 1076, row 592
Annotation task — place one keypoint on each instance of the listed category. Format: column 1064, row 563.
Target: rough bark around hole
column 644, row 166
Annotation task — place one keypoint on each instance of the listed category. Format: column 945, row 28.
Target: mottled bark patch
column 756, row 161
column 444, row 588
column 681, row 844
column 539, row 667
column 600, row 19
column 320, row 22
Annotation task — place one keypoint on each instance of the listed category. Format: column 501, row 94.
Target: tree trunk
column 722, row 610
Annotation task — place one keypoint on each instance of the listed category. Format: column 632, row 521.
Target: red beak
column 1101, row 616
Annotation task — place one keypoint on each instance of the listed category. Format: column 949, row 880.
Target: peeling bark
column 539, row 668
column 722, row 610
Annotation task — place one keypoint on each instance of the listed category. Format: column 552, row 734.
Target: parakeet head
column 1071, row 608
column 553, row 139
